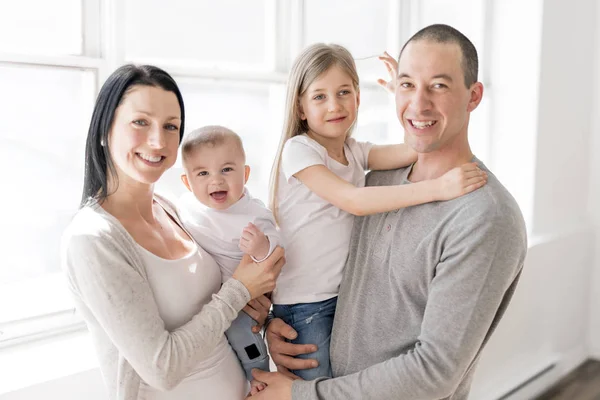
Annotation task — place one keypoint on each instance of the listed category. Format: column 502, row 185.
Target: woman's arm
column 376, row 199
column 115, row 295
column 391, row 156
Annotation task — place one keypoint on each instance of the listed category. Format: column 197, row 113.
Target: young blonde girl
column 317, row 187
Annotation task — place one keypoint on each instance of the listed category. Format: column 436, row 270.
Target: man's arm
column 472, row 285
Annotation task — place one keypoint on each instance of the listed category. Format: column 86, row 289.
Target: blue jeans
column 313, row 323
column 249, row 347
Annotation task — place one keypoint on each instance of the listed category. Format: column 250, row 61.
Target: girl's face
column 330, row 105
column 144, row 136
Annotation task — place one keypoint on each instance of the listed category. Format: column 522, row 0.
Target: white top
column 219, row 231
column 181, row 287
column 111, row 289
column 316, row 233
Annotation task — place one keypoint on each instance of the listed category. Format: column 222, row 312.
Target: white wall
column 564, row 133
column 548, row 321
column 84, row 385
column 594, row 201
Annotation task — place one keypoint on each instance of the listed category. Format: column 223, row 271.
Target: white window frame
column 94, row 15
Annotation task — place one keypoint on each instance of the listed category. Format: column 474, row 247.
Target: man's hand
column 278, row 386
column 258, row 310
column 282, row 352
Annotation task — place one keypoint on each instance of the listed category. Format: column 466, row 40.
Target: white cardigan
column 111, row 291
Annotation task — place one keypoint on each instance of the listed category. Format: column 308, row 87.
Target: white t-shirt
column 316, row 233
column 181, row 288
column 219, row 231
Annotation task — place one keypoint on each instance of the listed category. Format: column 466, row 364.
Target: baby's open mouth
column 219, row 196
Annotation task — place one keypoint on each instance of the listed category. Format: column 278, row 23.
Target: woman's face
column 144, row 136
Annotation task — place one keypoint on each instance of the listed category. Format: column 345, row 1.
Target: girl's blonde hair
column 314, row 61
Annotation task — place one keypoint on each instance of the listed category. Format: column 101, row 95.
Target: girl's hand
column 392, row 66
column 459, row 181
column 254, row 243
column 259, row 278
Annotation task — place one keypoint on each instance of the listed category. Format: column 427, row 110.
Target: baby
column 226, row 221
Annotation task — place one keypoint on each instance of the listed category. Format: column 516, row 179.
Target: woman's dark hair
column 98, row 162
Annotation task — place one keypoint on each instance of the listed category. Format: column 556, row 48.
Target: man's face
column 432, row 102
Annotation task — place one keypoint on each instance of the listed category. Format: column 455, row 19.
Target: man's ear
column 185, row 181
column 476, row 96
column 246, row 173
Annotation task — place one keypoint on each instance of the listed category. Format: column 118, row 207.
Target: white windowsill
column 33, row 363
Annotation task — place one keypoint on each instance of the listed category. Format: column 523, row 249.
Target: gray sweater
column 111, row 291
column 423, row 289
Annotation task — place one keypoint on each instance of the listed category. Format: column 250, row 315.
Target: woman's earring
column 102, row 143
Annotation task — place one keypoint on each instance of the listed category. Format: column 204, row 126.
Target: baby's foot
column 256, row 386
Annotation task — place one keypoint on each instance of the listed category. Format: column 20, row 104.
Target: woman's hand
column 392, row 66
column 259, row 278
column 258, row 310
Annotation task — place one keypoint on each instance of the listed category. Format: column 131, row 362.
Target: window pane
column 479, row 131
column 356, row 24
column 206, row 31
column 468, row 16
column 41, row 27
column 377, row 122
column 44, row 114
column 254, row 111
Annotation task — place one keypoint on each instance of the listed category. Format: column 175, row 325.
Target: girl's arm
column 391, row 156
column 376, row 199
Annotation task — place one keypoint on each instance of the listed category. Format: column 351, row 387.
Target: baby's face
column 217, row 175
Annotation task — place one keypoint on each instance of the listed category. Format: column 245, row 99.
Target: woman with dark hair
column 151, row 298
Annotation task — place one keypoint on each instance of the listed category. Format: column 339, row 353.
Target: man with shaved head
column 424, row 287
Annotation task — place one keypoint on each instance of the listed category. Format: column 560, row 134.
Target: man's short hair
column 211, row 136
column 440, row 33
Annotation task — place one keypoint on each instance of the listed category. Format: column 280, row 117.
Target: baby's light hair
column 211, row 136
column 313, row 62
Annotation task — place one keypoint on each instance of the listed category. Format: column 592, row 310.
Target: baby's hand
column 256, row 386
column 254, row 243
column 460, row 180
